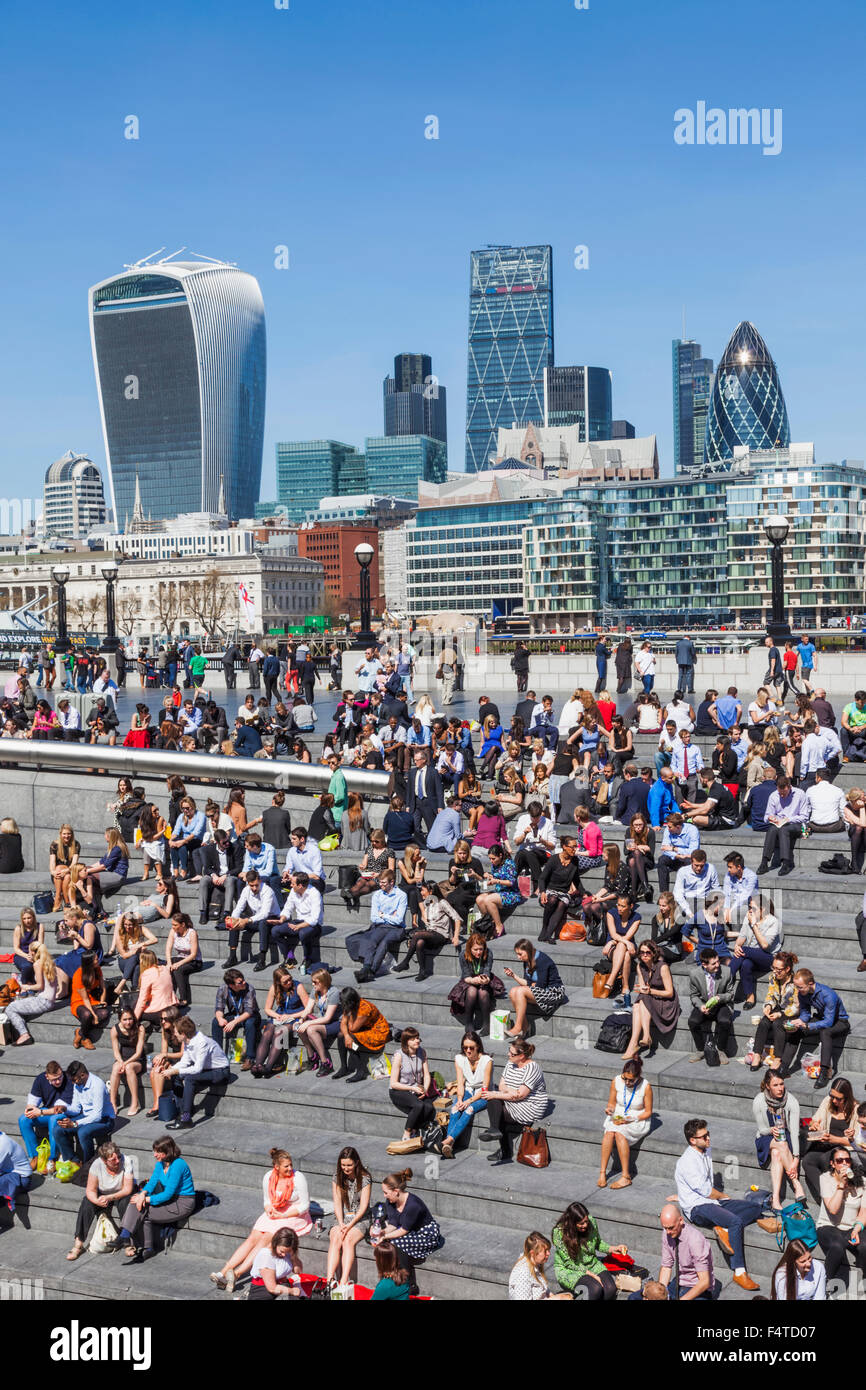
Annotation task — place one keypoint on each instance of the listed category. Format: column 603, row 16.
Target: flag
column 248, row 605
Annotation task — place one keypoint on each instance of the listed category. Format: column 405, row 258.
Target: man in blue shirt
column 822, row 1016
column 806, row 651
column 262, row 858
column 46, row 1103
column 14, row 1171
column 90, row 1116
column 786, row 814
column 248, row 740
column 445, row 830
column 661, row 801
column 685, row 655
column 740, row 886
column 726, row 710
column 678, row 845
column 388, row 907
column 368, row 670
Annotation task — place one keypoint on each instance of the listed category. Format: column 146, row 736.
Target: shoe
column 203, row 921
column 423, row 975
column 822, row 1079
column 256, row 1070
column 398, row 968
column 246, row 1065
column 325, row 1068
column 862, row 966
column 34, row 1163
column 723, row 1060
column 230, row 1281
column 763, row 868
column 364, row 976
column 626, row 1001
column 497, row 1159
column 447, row 1148
column 76, row 1041
column 314, row 1064
column 621, row 1182
column 745, row 1282
column 231, row 962
column 353, row 1080
column 722, row 1238
column 185, row 1122
column 771, row 1224
column 488, row 1136
column 86, row 1043
column 696, row 1057
column 217, row 1277
column 785, row 869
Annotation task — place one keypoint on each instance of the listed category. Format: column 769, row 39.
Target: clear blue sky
column 306, row 127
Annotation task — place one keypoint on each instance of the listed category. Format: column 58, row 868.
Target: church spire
column 137, row 510
column 221, row 504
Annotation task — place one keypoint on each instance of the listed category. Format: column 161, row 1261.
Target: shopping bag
column 43, row 1154
column 379, row 1067
column 103, row 1238
column 294, row 1060
column 500, row 1019
column 66, row 1169
column 343, row 1292
column 238, row 1048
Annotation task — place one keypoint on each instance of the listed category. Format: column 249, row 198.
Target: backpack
column 615, row 1032
column 837, row 865
column 797, row 1224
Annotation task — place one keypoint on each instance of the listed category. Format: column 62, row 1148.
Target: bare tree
column 87, row 612
column 208, row 599
column 166, row 605
column 128, row 610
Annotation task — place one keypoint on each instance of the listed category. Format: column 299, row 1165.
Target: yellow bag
column 43, row 1154
column 66, row 1169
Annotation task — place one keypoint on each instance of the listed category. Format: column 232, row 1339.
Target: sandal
column 77, row 1250
column 602, row 1182
column 621, row 1182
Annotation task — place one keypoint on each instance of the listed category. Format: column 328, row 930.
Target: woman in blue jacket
column 166, row 1199
column 491, row 745
column 540, row 992
column 108, row 874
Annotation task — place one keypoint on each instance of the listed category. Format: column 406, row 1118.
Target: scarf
column 777, row 1107
column 280, row 1191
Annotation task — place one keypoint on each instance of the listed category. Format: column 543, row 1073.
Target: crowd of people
column 523, row 814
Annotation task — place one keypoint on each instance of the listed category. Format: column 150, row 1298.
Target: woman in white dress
column 627, row 1118
column 425, row 710
column 570, row 714
column 681, row 712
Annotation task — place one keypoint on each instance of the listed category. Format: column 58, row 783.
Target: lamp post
column 60, row 575
column 776, row 529
column 112, row 641
column 364, row 555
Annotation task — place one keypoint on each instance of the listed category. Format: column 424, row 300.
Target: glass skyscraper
column 413, row 398
column 510, row 343
column 310, row 469
column 692, row 381
column 396, row 464
column 747, row 406
column 180, row 360
column 579, row 396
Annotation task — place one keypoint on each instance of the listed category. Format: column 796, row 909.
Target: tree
column 208, row 600
column 87, row 612
column 166, row 605
column 128, row 610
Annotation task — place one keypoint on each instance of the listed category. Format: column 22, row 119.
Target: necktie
column 685, row 761
column 676, row 1279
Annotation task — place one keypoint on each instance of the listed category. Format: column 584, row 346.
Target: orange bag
column 599, row 985
column 573, row 931
column 8, row 992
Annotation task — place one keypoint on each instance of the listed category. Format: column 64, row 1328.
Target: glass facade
column 180, row 359
column 579, row 396
column 510, row 344
column 692, row 383
column 308, row 470
column 414, row 401
column 397, row 464
column 467, row 559
column 747, row 407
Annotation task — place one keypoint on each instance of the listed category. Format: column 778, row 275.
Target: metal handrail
column 153, row 762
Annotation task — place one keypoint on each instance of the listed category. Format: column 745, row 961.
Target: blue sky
column 305, row 127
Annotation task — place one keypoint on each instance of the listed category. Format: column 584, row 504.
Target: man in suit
column 486, row 706
column 525, row 708
column 425, row 795
column 710, row 1023
column 221, row 864
column 231, row 654
column 633, row 795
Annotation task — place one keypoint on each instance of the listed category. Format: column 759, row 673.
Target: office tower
column 73, row 501
column 179, row 354
column 747, row 408
column 413, row 399
column 397, row 464
column 692, row 381
column 579, row 396
column 310, row 469
column 510, row 343
column 621, row 429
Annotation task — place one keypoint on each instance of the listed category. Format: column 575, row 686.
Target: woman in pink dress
column 287, row 1203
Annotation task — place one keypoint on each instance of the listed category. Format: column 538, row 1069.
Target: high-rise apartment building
column 180, row 360
column 414, row 401
column 579, row 396
column 510, row 343
column 692, row 382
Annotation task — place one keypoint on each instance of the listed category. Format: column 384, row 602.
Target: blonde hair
column 124, row 932
column 854, row 794
column 8, row 826
column 42, row 957
column 116, row 841
column 147, row 961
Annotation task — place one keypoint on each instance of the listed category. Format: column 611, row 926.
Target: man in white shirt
column 826, row 804
column 832, row 748
column 645, row 661
column 535, row 833
column 256, row 907
column 702, row 1203
column 694, row 883
column 203, row 1063
column 70, row 721
column 303, row 907
column 305, row 857
column 687, row 761
column 254, row 662
column 368, row 670
column 813, row 754
column 90, row 1116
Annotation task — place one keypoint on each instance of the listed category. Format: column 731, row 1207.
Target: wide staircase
column 484, row 1212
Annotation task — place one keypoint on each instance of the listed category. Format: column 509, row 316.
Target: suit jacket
column 434, row 792
column 698, row 994
column 234, row 856
column 524, row 708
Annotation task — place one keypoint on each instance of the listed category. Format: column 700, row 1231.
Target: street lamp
column 60, row 575
column 776, row 529
column 364, row 555
column 112, row 641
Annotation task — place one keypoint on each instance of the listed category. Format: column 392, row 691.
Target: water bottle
column 378, row 1225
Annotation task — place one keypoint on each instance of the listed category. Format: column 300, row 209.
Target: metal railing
column 147, row 762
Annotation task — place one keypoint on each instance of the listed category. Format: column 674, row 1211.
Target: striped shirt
column 535, row 1105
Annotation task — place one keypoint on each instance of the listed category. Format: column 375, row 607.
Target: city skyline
column 255, row 146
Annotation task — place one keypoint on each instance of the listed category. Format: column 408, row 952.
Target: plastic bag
column 66, row 1169
column 103, row 1238
column 811, row 1064
column 43, row 1154
column 238, row 1048
column 378, row 1067
column 294, row 1061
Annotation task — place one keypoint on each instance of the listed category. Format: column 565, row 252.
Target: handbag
column 524, row 885
column 42, row 903
column 533, row 1149
column 167, row 1106
column 329, row 843
column 573, row 931
column 599, row 985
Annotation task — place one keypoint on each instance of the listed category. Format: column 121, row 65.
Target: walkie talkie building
column 180, row 360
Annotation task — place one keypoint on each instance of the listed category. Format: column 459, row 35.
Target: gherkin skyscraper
column 747, row 405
